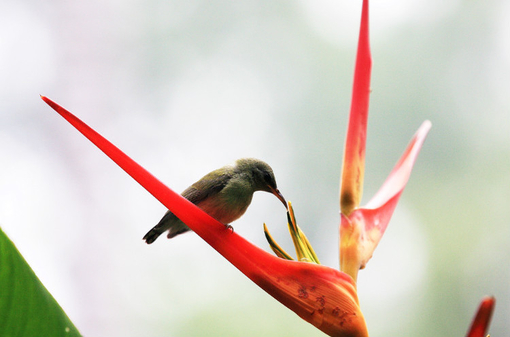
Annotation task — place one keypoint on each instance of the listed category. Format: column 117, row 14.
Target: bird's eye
column 268, row 179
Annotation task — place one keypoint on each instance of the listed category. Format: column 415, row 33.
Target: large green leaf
column 26, row 307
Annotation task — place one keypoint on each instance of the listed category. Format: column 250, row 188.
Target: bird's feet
column 227, row 226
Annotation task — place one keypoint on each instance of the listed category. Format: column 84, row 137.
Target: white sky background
column 185, row 87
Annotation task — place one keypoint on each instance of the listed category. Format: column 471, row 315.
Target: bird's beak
column 277, row 193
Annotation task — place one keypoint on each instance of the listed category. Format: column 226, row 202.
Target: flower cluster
column 323, row 296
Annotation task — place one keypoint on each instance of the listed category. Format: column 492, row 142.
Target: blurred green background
column 187, row 86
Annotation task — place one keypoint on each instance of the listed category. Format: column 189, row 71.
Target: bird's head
column 262, row 175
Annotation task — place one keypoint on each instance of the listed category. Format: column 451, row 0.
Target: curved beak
column 277, row 193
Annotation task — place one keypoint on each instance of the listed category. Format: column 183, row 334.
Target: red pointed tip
column 481, row 321
column 52, row 104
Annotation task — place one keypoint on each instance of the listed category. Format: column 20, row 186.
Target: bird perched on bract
column 224, row 194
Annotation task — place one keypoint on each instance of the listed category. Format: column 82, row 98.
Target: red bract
column 354, row 152
column 362, row 228
column 323, row 296
column 482, row 319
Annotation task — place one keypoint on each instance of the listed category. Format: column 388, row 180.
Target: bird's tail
column 153, row 234
column 168, row 222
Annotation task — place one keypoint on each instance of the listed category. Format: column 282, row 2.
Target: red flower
column 323, row 296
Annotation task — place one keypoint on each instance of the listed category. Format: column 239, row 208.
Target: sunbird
column 224, row 194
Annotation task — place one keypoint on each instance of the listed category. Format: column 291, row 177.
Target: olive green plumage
column 225, row 194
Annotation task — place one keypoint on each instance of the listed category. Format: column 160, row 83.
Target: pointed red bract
column 361, row 231
column 320, row 295
column 379, row 209
column 400, row 174
column 482, row 319
column 351, row 187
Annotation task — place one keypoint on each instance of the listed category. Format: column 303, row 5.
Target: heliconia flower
column 323, row 296
column 482, row 319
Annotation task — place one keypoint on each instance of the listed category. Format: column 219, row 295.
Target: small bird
column 224, row 194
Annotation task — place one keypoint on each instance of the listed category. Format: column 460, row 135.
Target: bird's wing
column 211, row 184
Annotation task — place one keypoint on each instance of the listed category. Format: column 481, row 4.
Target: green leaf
column 26, row 307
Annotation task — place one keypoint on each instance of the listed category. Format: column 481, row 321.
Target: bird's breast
column 226, row 207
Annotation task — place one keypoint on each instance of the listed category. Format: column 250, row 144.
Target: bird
column 224, row 194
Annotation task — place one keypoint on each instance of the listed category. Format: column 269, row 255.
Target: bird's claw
column 230, row 227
